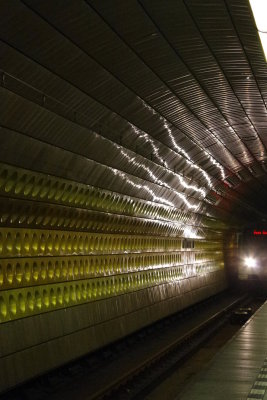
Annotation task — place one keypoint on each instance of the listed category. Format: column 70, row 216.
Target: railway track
column 138, row 382
column 130, row 368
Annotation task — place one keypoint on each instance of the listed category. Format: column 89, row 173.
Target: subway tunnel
column 132, row 158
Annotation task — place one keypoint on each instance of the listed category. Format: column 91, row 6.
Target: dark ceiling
column 163, row 101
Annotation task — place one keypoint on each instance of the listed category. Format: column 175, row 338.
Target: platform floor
column 239, row 370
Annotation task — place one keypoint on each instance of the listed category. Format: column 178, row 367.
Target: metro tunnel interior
column 132, row 168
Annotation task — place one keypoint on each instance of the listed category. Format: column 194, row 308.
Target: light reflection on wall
column 191, row 233
column 154, row 177
column 159, row 182
column 182, row 151
column 155, row 198
column 214, row 162
column 188, row 159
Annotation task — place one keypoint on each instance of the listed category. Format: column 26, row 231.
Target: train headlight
column 250, row 262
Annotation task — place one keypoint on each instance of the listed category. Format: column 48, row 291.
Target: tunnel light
column 250, row 262
column 259, row 9
column 263, row 37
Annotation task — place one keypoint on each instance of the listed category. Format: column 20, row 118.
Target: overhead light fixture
column 259, row 9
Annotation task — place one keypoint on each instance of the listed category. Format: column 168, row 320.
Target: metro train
column 252, row 257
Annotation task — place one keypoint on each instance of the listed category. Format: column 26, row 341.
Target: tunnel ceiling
column 159, row 101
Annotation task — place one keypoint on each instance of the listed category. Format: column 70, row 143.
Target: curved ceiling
column 160, row 101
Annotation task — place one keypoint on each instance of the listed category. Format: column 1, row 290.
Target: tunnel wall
column 39, row 343
column 81, row 267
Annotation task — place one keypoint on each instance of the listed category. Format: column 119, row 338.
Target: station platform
column 239, row 370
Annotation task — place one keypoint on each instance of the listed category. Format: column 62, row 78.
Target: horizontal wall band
column 20, row 272
column 41, row 215
column 32, row 242
column 94, row 313
column 19, row 303
column 21, row 183
column 90, row 338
